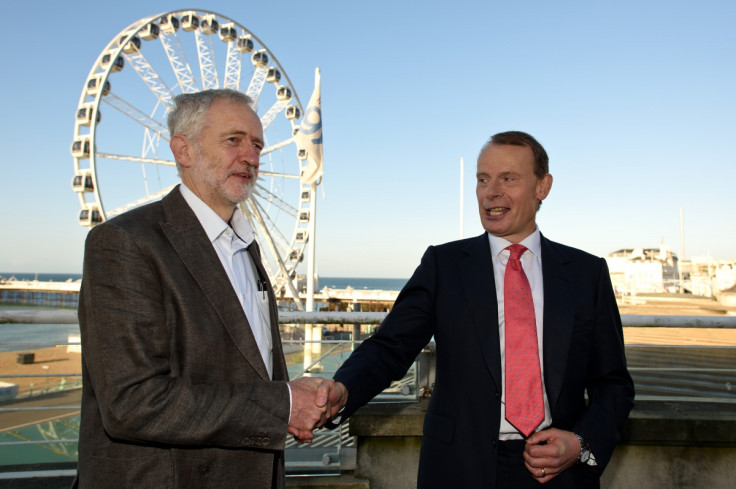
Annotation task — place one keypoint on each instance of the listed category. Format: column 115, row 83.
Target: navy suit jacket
column 452, row 297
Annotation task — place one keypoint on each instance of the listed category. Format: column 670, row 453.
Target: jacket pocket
column 151, row 471
column 439, row 427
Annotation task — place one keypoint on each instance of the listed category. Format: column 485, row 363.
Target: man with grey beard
column 185, row 382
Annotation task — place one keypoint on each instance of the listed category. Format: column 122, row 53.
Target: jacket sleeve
column 609, row 386
column 387, row 355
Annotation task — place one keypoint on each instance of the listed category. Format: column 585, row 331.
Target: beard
column 204, row 170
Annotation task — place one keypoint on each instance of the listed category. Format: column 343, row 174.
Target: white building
column 656, row 270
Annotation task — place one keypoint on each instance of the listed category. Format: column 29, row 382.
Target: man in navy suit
column 456, row 296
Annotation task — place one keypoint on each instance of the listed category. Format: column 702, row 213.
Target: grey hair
column 187, row 116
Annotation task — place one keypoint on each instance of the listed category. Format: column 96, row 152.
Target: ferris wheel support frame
column 126, row 50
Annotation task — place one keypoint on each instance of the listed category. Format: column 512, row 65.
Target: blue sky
column 633, row 100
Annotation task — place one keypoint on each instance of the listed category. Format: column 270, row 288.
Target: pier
column 66, row 295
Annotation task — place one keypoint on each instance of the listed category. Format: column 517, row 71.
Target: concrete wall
column 673, row 445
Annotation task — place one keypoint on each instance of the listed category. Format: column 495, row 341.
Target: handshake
column 314, row 401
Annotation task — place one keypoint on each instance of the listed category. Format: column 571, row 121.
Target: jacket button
column 266, row 440
column 246, row 441
column 204, row 470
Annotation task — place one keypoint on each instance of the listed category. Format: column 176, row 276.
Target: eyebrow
column 238, row 132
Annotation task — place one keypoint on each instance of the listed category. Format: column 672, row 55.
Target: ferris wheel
column 120, row 148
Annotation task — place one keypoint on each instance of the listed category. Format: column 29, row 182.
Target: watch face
column 584, row 455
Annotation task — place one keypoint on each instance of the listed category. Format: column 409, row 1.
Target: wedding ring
column 544, row 474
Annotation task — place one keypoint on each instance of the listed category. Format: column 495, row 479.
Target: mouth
column 247, row 176
column 496, row 211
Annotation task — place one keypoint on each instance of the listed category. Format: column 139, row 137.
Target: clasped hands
column 314, row 401
column 550, row 452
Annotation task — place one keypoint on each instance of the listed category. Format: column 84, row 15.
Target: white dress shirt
column 231, row 245
column 531, row 262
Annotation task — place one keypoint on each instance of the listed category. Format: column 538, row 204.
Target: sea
column 17, row 337
column 329, row 282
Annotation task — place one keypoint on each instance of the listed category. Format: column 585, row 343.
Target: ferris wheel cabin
column 210, row 25
column 189, row 21
column 132, row 44
column 259, row 58
column 273, row 75
column 169, row 25
column 84, row 115
column 245, row 44
column 293, row 112
column 90, row 216
column 82, row 182
column 228, row 33
column 283, row 94
column 117, row 65
column 80, row 148
column 94, row 85
column 149, row 32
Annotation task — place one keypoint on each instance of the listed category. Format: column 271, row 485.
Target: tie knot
column 516, row 251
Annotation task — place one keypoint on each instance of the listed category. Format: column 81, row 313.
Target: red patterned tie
column 524, row 398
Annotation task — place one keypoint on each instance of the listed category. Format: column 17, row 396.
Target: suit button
column 204, row 471
column 246, row 441
column 266, row 440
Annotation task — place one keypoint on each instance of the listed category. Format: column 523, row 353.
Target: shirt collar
column 213, row 224
column 533, row 243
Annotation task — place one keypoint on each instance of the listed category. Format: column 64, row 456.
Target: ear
column 544, row 185
column 182, row 149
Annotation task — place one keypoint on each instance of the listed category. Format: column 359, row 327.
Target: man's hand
column 309, row 407
column 559, row 452
column 334, row 395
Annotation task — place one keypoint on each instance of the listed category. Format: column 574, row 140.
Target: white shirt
column 231, row 244
column 531, row 262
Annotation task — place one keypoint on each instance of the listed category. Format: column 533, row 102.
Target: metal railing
column 660, row 372
column 330, row 452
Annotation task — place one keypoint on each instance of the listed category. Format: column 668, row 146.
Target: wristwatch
column 586, row 456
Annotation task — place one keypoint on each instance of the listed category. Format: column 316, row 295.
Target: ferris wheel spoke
column 256, row 83
column 272, row 198
column 135, row 114
column 271, row 114
column 274, row 147
column 284, row 274
column 145, row 200
column 206, row 60
column 136, row 159
column 276, row 235
column 150, row 77
column 178, row 61
column 233, row 66
column 277, row 174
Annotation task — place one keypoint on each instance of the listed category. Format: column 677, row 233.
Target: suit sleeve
column 610, row 388
column 146, row 388
column 387, row 355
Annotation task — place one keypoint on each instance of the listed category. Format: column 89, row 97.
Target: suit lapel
column 476, row 270
column 558, row 317
column 185, row 233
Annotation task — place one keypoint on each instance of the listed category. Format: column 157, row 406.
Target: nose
column 492, row 190
column 251, row 156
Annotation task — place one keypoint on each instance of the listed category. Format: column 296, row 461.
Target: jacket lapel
column 476, row 270
column 185, row 233
column 558, row 317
